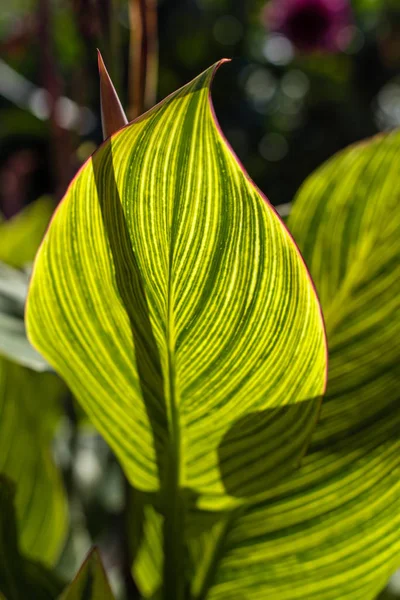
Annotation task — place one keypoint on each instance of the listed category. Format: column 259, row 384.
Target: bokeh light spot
column 278, row 50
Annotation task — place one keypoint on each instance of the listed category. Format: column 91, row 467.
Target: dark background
column 283, row 110
column 285, row 107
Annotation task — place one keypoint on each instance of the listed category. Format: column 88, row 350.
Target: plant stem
column 143, row 61
column 173, row 576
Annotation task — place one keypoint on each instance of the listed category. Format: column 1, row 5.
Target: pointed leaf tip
column 112, row 114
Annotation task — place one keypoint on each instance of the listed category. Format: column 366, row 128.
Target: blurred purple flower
column 311, row 24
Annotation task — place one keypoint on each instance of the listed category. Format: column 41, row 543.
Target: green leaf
column 30, row 403
column 13, row 283
column 13, row 341
column 30, row 409
column 20, row 579
column 19, row 240
column 331, row 530
column 170, row 297
column 146, row 540
column 90, row 583
column 21, row 235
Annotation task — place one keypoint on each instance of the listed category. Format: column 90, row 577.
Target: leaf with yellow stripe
column 330, row 531
column 173, row 301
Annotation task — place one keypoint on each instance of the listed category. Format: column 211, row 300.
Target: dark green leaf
column 90, row 582
column 20, row 579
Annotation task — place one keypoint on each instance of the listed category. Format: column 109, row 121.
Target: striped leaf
column 170, row 297
column 30, row 405
column 20, row 579
column 90, row 583
column 331, row 530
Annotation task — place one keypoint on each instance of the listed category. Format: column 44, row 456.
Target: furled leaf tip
column 113, row 116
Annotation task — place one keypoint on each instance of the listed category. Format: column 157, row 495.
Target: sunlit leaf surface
column 172, row 300
column 331, row 531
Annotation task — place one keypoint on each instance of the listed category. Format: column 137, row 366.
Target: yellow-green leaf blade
column 346, row 220
column 331, row 530
column 318, row 541
column 175, row 304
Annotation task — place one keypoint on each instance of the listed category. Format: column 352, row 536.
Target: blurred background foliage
column 302, row 85
column 284, row 106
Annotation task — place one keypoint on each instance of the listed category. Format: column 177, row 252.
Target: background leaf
column 90, row 582
column 30, row 409
column 13, row 341
column 19, row 239
column 30, row 403
column 331, row 530
column 174, row 303
column 21, row 235
column 19, row 578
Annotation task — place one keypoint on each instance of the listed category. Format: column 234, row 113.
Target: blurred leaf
column 13, row 341
column 9, row 14
column 19, row 240
column 13, row 284
column 369, row 5
column 16, row 121
column 20, row 237
column 30, row 409
column 90, row 583
column 160, row 294
column 388, row 595
column 68, row 44
column 20, row 579
column 30, row 403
